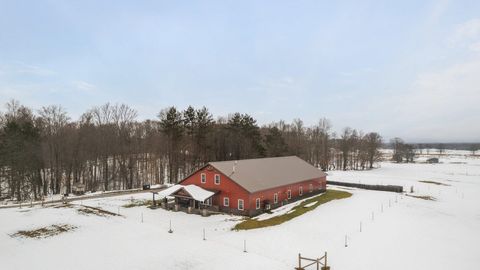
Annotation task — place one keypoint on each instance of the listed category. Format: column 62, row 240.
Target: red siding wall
column 233, row 191
column 317, row 184
column 227, row 187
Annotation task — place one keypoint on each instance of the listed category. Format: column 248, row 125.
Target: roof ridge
column 264, row 173
column 252, row 159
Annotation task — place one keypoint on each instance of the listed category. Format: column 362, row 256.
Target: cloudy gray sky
column 405, row 68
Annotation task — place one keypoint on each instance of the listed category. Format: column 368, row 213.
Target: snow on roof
column 197, row 193
column 168, row 191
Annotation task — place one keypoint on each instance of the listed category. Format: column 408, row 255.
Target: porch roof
column 197, row 193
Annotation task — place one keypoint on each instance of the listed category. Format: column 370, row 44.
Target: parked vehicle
column 78, row 189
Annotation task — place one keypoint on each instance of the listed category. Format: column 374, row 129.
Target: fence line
column 389, row 188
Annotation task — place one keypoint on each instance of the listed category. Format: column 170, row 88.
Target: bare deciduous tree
column 108, row 149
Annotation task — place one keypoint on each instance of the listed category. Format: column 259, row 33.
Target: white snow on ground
column 280, row 210
column 56, row 197
column 410, row 234
column 310, row 204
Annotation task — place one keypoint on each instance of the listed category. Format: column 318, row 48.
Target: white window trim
column 289, row 194
column 300, row 190
column 257, row 203
column 227, row 200
column 310, row 187
column 238, row 204
column 275, row 198
column 203, row 178
column 215, row 179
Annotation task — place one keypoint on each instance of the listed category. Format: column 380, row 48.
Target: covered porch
column 189, row 198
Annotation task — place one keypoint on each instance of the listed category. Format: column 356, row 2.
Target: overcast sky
column 402, row 68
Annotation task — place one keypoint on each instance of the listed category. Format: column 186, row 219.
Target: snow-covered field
column 411, row 233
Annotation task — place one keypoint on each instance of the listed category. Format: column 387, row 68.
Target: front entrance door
column 183, row 202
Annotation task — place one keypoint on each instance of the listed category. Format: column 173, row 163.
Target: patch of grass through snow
column 296, row 211
column 88, row 210
column 63, row 205
column 137, row 203
column 45, row 231
column 433, row 182
column 428, row 198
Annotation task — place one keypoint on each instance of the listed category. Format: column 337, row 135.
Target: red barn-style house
column 250, row 186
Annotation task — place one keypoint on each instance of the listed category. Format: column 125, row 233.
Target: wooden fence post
column 325, row 259
column 299, row 261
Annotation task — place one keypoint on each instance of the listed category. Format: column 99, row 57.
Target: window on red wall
column 300, row 191
column 226, row 201
column 203, row 178
column 217, row 179
column 289, row 194
column 257, row 203
column 275, row 198
column 240, row 204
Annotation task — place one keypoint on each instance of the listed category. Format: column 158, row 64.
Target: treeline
column 45, row 152
column 405, row 152
column 441, row 147
column 402, row 152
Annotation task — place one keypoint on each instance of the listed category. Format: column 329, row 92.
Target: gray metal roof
column 265, row 173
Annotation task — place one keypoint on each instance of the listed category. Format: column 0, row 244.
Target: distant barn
column 250, row 186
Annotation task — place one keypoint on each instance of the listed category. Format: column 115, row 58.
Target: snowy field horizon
column 239, row 135
column 435, row 227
